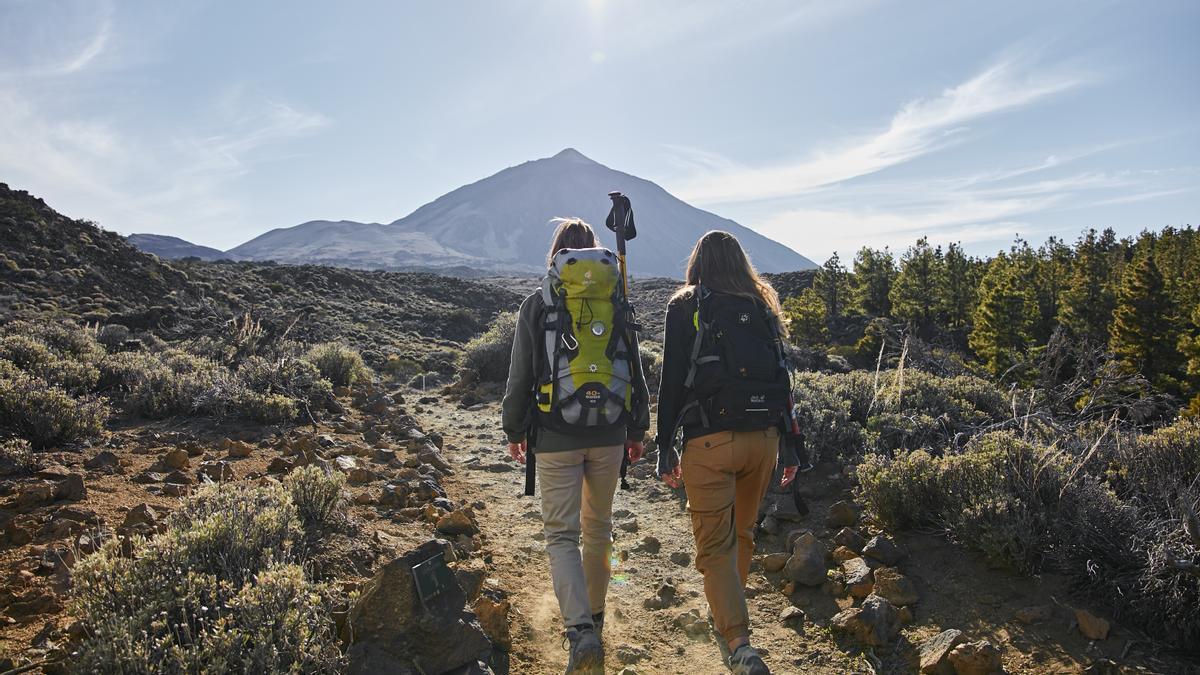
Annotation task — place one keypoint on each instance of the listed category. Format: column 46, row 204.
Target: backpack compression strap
column 552, row 319
column 701, row 328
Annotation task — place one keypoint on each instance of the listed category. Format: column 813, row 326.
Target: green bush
column 832, row 412
column 268, row 408
column 68, row 370
column 856, row 412
column 17, row 458
column 64, row 339
column 45, row 414
column 319, row 498
column 221, row 590
column 1021, row 505
column 1157, row 468
column 1032, row 509
column 234, row 529
column 341, row 365
column 157, row 386
column 486, row 357
column 651, row 365
column 401, row 368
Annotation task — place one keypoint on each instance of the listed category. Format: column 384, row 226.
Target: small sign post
column 432, row 577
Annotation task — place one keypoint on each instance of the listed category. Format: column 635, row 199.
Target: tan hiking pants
column 726, row 475
column 577, row 495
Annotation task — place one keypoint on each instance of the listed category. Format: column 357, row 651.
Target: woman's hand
column 789, row 475
column 517, row 451
column 635, row 450
column 675, row 478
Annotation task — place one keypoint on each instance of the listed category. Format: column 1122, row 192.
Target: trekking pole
column 620, row 221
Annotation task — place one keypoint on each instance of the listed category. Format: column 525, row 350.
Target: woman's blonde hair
column 719, row 263
column 570, row 233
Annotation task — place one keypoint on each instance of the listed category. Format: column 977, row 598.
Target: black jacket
column 672, row 396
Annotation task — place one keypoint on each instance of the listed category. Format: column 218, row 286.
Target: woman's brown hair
column 570, row 233
column 719, row 263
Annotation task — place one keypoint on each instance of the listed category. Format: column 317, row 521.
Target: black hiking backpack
column 738, row 379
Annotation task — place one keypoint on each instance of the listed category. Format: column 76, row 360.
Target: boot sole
column 589, row 664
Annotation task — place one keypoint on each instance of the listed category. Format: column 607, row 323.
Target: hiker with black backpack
column 727, row 388
column 575, row 406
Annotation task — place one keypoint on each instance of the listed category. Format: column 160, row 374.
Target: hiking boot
column 746, row 661
column 587, row 655
column 598, row 623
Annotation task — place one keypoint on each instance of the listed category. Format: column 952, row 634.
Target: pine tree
column 915, row 294
column 1189, row 347
column 1144, row 335
column 1177, row 254
column 805, row 316
column 874, row 274
column 1050, row 283
column 832, row 284
column 1004, row 318
column 1088, row 301
column 959, row 292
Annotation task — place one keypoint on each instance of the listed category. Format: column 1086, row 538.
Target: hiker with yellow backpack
column 575, row 407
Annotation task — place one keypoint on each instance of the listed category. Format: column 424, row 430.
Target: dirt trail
column 956, row 590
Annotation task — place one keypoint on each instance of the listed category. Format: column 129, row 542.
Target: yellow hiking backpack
column 586, row 367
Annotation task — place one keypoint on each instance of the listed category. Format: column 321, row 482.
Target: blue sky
column 826, row 125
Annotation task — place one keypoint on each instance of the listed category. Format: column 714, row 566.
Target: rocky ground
column 841, row 597
column 58, row 510
column 829, row 592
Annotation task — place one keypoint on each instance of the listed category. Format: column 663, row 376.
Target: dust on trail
column 646, row 640
column 956, row 589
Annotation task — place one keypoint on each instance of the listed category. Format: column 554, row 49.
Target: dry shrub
column 1033, row 509
column 486, row 357
column 45, row 414
column 157, row 386
column 36, row 358
column 651, row 365
column 338, row 363
column 63, row 338
column 320, row 499
column 286, row 376
column 861, row 411
column 17, row 458
column 221, row 590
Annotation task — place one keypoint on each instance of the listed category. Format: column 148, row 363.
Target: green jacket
column 518, row 395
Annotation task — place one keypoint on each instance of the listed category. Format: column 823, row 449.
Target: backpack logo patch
column 744, row 318
column 591, row 396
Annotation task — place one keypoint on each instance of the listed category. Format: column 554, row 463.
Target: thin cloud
column 45, row 46
column 918, row 128
column 967, row 211
column 131, row 184
column 92, row 49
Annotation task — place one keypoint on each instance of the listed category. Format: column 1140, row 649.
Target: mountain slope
column 173, row 248
column 502, row 223
column 52, row 265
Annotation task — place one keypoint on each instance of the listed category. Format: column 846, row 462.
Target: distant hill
column 174, row 248
column 501, row 223
column 55, row 267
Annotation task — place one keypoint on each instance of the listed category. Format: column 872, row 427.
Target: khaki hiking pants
column 577, row 496
column 726, row 475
